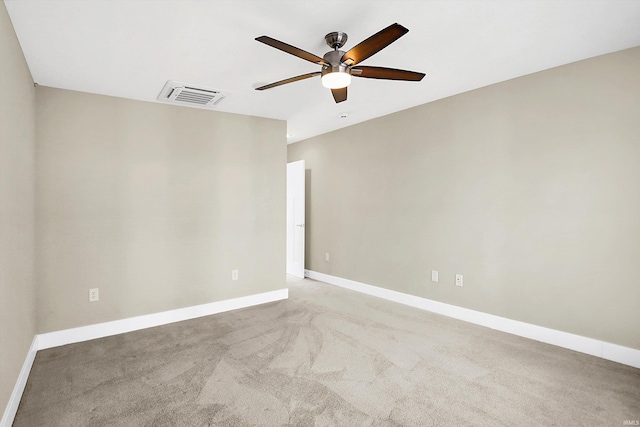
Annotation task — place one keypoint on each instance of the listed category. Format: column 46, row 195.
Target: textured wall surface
column 530, row 188
column 154, row 205
column 17, row 141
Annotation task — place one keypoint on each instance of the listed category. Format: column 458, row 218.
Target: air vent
column 182, row 94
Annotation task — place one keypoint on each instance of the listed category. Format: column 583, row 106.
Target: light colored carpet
column 326, row 356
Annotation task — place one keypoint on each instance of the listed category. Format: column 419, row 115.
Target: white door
column 295, row 218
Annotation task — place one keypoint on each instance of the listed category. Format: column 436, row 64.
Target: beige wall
column 17, row 139
column 154, row 205
column 529, row 188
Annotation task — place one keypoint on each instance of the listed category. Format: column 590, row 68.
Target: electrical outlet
column 434, row 276
column 326, row 256
column 234, row 274
column 459, row 280
column 94, row 295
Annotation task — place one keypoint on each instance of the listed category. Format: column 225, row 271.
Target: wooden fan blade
column 289, row 80
column 339, row 95
column 291, row 50
column 374, row 44
column 386, row 73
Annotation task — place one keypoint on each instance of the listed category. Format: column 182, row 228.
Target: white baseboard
column 14, row 401
column 100, row 330
column 617, row 353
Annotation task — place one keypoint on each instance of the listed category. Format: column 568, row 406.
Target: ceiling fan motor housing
column 335, row 65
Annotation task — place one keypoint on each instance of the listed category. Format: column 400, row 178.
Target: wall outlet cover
column 459, row 280
column 434, row 276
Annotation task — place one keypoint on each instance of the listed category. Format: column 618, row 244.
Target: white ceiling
column 130, row 48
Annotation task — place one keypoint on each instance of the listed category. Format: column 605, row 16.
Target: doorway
column 295, row 218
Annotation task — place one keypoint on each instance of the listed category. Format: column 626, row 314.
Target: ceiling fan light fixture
column 336, row 79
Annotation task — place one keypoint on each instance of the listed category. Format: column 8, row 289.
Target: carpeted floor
column 326, row 356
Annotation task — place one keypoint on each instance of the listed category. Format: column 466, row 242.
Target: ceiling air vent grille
column 179, row 93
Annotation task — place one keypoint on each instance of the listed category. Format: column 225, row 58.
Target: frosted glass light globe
column 336, row 80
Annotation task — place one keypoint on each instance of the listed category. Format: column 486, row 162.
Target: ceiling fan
column 339, row 66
